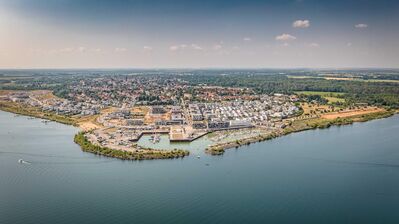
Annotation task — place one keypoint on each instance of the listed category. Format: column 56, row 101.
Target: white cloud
column 301, row 24
column 314, row 45
column 286, row 44
column 247, row 39
column 285, row 37
column 349, row 44
column 217, row 47
column 196, row 47
column 81, row 49
column 120, row 49
column 67, row 49
column 174, row 48
column 76, row 50
column 147, row 48
column 185, row 46
column 361, row 25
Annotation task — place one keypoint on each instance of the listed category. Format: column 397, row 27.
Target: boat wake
column 55, row 159
column 40, row 155
column 23, row 161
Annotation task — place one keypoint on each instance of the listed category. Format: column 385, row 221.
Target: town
column 124, row 108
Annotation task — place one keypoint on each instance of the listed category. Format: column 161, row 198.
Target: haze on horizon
column 199, row 34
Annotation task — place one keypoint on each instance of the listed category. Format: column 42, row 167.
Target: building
column 157, row 110
column 218, row 124
column 134, row 122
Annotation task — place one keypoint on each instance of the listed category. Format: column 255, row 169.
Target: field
column 88, row 123
column 5, row 92
column 303, row 77
column 323, row 94
column 341, row 78
column 381, row 80
column 332, row 97
column 335, row 99
column 351, row 113
column 317, row 109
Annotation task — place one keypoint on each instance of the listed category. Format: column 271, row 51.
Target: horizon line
column 202, row 68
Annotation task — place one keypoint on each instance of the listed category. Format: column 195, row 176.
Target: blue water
column 344, row 174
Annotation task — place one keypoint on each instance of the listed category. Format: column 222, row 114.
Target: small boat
column 156, row 139
column 198, row 157
column 23, row 161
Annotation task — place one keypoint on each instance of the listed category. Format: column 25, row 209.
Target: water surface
column 339, row 175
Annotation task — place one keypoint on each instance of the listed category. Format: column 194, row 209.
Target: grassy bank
column 218, row 149
column 35, row 112
column 297, row 126
column 301, row 125
column 139, row 154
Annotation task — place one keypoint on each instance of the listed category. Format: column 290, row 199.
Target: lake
column 347, row 174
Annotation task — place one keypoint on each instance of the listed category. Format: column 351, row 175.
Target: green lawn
column 324, row 94
column 332, row 97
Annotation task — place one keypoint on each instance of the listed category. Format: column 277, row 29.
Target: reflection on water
column 339, row 175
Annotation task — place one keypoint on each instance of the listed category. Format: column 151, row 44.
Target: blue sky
column 198, row 34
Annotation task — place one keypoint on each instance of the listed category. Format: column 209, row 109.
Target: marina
column 199, row 112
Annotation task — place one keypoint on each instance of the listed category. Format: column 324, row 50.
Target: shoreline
column 37, row 113
column 219, row 149
column 142, row 153
column 137, row 153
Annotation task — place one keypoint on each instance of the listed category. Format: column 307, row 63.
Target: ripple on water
column 322, row 176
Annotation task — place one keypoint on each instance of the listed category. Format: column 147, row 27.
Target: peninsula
column 231, row 108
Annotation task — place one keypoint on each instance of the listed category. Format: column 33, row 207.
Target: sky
column 199, row 34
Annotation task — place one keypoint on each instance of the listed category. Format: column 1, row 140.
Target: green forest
column 373, row 93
